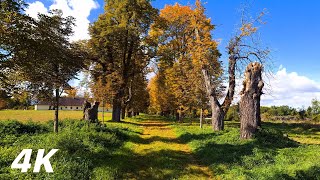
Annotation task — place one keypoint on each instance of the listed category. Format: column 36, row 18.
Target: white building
column 65, row 103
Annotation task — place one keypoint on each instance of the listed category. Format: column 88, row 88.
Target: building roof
column 65, row 101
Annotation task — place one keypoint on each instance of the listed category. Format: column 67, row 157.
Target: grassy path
column 160, row 155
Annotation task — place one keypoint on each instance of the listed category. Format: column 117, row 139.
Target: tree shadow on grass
column 163, row 164
column 312, row 173
column 223, row 150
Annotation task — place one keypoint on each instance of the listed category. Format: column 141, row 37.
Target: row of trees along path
column 124, row 39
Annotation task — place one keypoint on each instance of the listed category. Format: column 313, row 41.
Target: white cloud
column 79, row 9
column 285, row 88
column 290, row 88
column 35, row 8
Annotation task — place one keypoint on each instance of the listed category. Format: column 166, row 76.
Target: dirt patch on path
column 160, row 155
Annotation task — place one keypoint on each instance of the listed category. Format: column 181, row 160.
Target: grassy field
column 280, row 151
column 152, row 147
column 43, row 115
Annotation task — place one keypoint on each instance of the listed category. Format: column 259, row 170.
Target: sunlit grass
column 274, row 154
column 152, row 147
column 44, row 115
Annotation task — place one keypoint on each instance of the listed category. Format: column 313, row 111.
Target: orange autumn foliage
column 181, row 54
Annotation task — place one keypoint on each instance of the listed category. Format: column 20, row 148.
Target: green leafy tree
column 16, row 43
column 118, row 43
column 59, row 61
column 315, row 107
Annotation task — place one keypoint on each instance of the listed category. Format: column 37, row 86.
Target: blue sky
column 292, row 32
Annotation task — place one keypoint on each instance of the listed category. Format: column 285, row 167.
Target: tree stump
column 91, row 113
column 86, row 105
column 250, row 101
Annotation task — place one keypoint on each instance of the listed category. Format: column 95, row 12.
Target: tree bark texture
column 250, row 101
column 116, row 106
column 217, row 111
column 217, row 115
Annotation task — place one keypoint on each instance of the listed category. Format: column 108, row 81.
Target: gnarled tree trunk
column 217, row 116
column 250, row 101
column 91, row 113
column 217, row 111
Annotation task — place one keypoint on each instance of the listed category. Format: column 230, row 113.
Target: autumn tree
column 138, row 89
column 177, row 78
column 242, row 48
column 117, row 40
column 102, row 92
column 161, row 100
column 71, row 92
column 206, row 59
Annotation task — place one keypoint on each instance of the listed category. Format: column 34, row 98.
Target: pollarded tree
column 242, row 48
column 250, row 101
column 117, row 41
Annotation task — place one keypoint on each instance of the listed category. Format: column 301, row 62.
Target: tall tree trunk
column 201, row 118
column 123, row 112
column 217, row 112
column 116, row 107
column 217, row 115
column 250, row 101
column 56, row 113
column 180, row 116
column 177, row 114
column 130, row 113
column 103, row 111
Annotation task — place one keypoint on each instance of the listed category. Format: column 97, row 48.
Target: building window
column 70, row 107
column 61, row 108
column 66, row 107
column 77, row 107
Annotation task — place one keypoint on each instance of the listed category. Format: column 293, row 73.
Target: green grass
column 270, row 156
column 43, row 115
column 85, row 151
column 128, row 150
